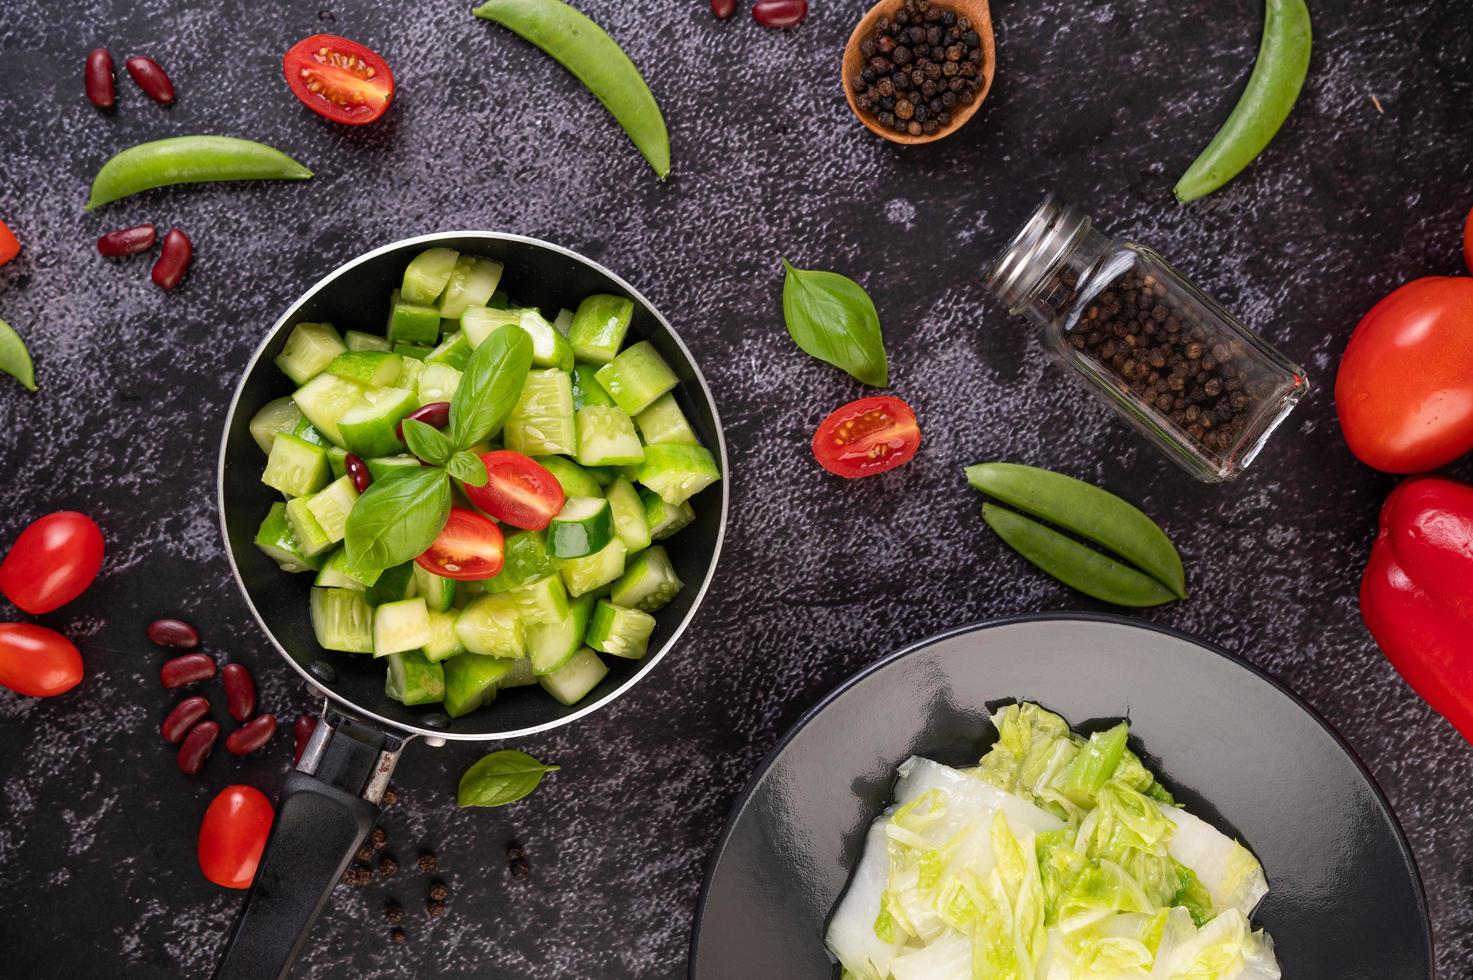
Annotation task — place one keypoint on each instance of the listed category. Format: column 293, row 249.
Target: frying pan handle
column 328, row 804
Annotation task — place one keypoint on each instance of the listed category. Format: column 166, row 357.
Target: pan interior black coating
column 357, row 298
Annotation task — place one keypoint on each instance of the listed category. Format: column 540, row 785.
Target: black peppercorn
column 434, row 908
column 427, row 861
column 398, row 938
column 394, row 914
column 902, row 55
column 364, row 853
column 387, row 866
column 439, row 892
column 391, row 796
column 378, row 838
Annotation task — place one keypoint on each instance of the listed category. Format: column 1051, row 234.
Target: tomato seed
column 723, row 8
column 152, row 78
column 173, row 259
column 357, row 470
column 98, row 79
column 187, row 669
column 197, row 747
column 173, row 633
column 240, row 691
column 302, row 732
column 182, row 718
column 435, row 414
column 779, row 13
column 251, row 736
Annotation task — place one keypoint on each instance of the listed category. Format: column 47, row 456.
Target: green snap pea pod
column 189, row 160
column 15, row 360
column 1074, row 564
column 582, row 47
column 1278, row 74
column 1088, row 511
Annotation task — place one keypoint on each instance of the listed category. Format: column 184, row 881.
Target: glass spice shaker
column 1180, row 368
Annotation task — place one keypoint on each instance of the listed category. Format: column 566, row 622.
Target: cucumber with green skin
column 663, row 421
column 526, row 560
column 586, row 389
column 437, row 591
column 574, row 479
column 599, row 326
column 541, row 423
column 437, row 383
column 413, row 679
column 310, row 348
column 619, row 631
column 472, row 282
column 549, row 348
column 551, row 645
column 471, row 681
column 571, row 682
column 630, row 523
column 373, row 368
column 427, row 275
column 341, row 620
column 606, row 437
column 331, row 506
column 664, row 519
column 280, row 415
column 636, row 377
column 648, row 583
column 296, row 467
column 677, row 471
column 583, row 526
column 400, row 626
column 358, row 340
column 307, row 432
column 453, row 352
column 542, row 601
column 339, row 573
column 492, row 626
column 444, row 642
column 382, row 466
column 324, row 400
column 370, row 427
column 581, row 575
column 275, row 539
column 310, row 535
column 412, row 323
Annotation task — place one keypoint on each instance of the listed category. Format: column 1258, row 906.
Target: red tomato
column 470, row 547
column 52, row 562
column 233, row 835
column 9, row 244
column 339, row 79
column 867, row 437
column 518, row 490
column 36, row 661
column 1467, row 241
column 1405, row 388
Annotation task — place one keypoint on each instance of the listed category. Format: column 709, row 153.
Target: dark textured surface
column 1104, row 103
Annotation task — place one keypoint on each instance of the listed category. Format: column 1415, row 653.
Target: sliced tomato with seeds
column 866, row 437
column 519, row 491
column 339, row 79
column 470, row 547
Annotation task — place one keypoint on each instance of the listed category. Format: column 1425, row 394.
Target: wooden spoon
column 976, row 11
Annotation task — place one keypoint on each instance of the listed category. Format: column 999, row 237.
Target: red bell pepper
column 1417, row 593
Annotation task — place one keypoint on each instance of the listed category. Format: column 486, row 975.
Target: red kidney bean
column 173, row 633
column 186, row 670
column 779, row 13
column 183, row 717
column 240, row 691
column 436, row 414
column 251, row 736
column 98, row 79
column 152, row 78
column 127, row 241
column 723, row 8
column 302, row 732
column 197, row 747
column 173, row 259
column 358, row 471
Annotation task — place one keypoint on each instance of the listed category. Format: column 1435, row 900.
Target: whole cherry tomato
column 1405, row 388
column 36, row 661
column 233, row 835
column 52, row 562
column 867, row 437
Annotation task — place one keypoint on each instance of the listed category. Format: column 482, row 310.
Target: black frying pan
column 330, row 801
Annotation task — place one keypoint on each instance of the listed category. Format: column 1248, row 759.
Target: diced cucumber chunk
column 453, row 351
column 309, row 349
column 410, row 372
column 471, row 283
column 411, row 323
column 296, row 467
column 635, row 378
column 574, row 479
column 341, row 620
column 381, row 467
column 413, row 352
column 414, row 679
column 437, row 591
column 630, row 523
column 677, row 471
column 542, row 601
column 324, row 400
column 280, row 415
column 549, row 348
column 541, row 422
column 571, row 682
column 664, row 519
column 392, row 585
column 526, row 560
column 649, row 583
column 663, row 421
column 582, row 527
column 598, row 328
column 492, row 626
column 331, row 506
column 606, row 437
column 563, row 321
column 438, row 383
column 311, row 537
column 444, row 642
column 550, row 645
column 619, row 631
column 339, row 573
column 275, row 538
column 368, row 428
column 400, row 626
column 520, row 675
column 585, row 574
column 358, row 340
column 586, row 388
column 471, row 682
column 367, row 367
column 427, row 274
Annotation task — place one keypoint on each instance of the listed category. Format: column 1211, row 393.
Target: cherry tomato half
column 52, row 562
column 36, row 661
column 518, row 490
column 866, row 437
column 9, row 244
column 1404, row 392
column 233, row 835
column 339, row 79
column 470, row 547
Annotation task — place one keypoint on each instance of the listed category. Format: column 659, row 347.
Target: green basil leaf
column 468, row 469
column 489, row 386
column 427, row 442
column 397, row 518
column 500, row 778
column 15, row 360
column 832, row 318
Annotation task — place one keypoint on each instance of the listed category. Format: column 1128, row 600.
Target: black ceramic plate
column 1344, row 902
